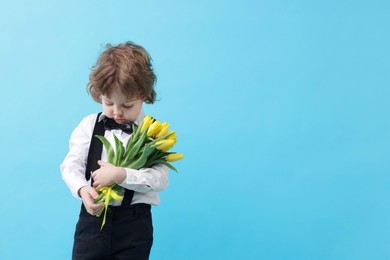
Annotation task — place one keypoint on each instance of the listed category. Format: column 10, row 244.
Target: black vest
column 95, row 154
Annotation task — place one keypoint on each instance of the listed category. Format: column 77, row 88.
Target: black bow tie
column 110, row 124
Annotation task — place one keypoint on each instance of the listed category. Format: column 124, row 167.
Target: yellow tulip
column 173, row 136
column 165, row 145
column 162, row 130
column 174, row 157
column 153, row 128
column 147, row 121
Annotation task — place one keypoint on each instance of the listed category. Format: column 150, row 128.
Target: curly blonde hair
column 126, row 67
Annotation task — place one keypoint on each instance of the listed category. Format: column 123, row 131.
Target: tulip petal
column 174, row 157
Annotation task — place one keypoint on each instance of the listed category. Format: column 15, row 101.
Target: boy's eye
column 108, row 103
column 130, row 106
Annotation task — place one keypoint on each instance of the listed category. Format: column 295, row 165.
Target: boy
column 121, row 81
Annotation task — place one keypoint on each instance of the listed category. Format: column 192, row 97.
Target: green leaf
column 164, row 163
column 136, row 131
column 100, row 198
column 132, row 151
column 130, row 144
column 115, row 187
column 164, row 137
column 119, row 150
column 156, row 155
column 134, row 137
column 143, row 159
column 109, row 149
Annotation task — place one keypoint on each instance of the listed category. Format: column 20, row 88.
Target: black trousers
column 127, row 234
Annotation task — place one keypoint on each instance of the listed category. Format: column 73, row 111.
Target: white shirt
column 145, row 182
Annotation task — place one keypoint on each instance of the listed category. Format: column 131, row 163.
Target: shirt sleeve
column 146, row 179
column 74, row 164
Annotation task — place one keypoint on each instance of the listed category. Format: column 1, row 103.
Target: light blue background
column 281, row 107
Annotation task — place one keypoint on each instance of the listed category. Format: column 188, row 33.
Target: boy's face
column 123, row 110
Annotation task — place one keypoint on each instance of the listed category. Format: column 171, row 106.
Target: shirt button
column 134, row 178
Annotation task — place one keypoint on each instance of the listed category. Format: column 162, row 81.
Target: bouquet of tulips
column 148, row 146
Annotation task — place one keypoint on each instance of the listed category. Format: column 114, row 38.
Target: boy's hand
column 107, row 174
column 88, row 195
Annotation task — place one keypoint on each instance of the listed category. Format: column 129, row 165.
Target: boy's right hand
column 88, row 194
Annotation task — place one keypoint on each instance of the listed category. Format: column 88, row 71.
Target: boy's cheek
column 107, row 112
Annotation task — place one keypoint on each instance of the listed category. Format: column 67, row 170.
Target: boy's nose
column 117, row 110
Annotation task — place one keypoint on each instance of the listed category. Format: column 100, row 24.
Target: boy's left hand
column 107, row 174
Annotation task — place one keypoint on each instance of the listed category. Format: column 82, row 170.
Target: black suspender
column 95, row 148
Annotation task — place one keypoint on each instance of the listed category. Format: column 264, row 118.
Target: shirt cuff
column 77, row 187
column 135, row 181
column 132, row 176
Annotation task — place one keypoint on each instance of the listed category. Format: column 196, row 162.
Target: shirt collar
column 138, row 121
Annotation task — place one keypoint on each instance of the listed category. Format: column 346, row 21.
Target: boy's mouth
column 119, row 120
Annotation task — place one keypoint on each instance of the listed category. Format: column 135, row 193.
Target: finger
column 97, row 212
column 100, row 211
column 93, row 193
column 102, row 163
column 91, row 212
column 88, row 208
column 95, row 207
column 91, row 206
column 97, row 188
